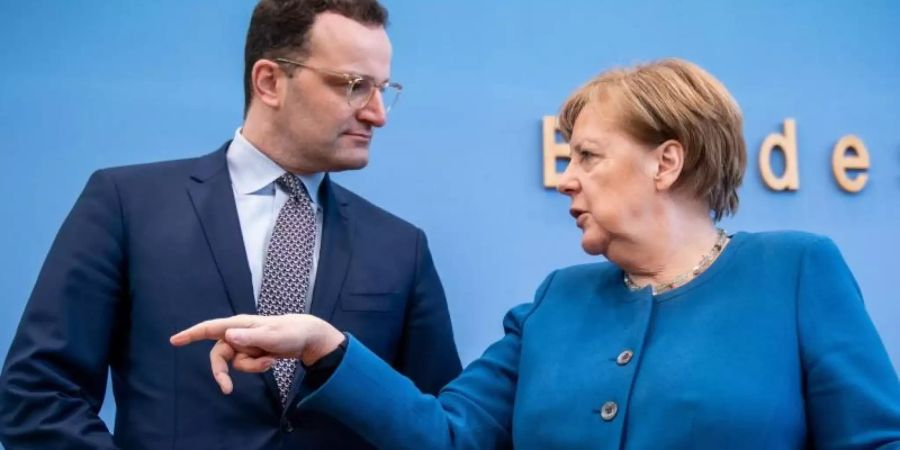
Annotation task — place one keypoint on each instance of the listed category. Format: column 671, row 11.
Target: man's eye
column 362, row 86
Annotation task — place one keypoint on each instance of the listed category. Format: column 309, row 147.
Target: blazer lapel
column 213, row 199
column 335, row 253
column 334, row 258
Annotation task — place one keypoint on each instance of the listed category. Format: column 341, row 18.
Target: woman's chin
column 593, row 247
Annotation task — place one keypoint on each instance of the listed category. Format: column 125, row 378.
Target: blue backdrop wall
column 91, row 84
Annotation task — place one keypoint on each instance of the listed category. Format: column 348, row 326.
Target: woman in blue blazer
column 688, row 337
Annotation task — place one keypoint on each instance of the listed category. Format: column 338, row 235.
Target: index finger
column 211, row 329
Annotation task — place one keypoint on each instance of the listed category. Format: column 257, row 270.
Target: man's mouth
column 359, row 134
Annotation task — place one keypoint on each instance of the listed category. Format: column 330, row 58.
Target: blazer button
column 624, row 357
column 608, row 411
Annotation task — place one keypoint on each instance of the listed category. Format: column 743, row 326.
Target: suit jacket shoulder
column 365, row 210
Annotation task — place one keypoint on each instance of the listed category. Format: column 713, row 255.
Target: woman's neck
column 670, row 247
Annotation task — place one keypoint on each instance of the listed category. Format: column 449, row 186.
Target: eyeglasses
column 360, row 89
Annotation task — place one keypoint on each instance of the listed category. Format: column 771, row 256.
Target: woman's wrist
column 321, row 343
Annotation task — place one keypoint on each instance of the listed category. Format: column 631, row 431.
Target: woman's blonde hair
column 672, row 99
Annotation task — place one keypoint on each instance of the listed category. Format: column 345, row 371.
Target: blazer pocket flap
column 371, row 302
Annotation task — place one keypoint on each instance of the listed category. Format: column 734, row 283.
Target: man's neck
column 266, row 138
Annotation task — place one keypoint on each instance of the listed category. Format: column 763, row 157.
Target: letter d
column 787, row 142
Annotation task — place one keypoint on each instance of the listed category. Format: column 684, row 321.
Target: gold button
column 624, row 357
column 608, row 411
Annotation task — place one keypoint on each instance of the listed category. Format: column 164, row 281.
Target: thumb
column 263, row 338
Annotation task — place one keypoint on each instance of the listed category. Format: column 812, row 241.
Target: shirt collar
column 252, row 172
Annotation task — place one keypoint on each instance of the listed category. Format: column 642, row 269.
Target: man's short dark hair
column 280, row 27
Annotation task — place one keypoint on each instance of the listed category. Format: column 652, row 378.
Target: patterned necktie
column 289, row 259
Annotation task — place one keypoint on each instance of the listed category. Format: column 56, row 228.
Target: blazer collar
column 336, row 251
column 213, row 200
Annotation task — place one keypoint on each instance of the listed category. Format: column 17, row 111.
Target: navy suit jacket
column 151, row 249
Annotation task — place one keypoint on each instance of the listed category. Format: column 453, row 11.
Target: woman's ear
column 670, row 161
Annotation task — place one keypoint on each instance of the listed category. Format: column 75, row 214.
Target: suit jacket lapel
column 334, row 256
column 213, row 199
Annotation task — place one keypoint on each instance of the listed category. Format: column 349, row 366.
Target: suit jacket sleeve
column 54, row 378
column 473, row 412
column 428, row 354
column 851, row 389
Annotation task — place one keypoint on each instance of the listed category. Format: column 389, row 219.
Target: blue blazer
column 769, row 348
column 151, row 249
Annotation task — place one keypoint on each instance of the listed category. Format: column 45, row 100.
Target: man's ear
column 670, row 161
column 267, row 82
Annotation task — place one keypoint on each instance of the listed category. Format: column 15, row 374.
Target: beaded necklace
column 680, row 280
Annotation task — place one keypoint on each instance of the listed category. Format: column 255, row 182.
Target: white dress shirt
column 259, row 199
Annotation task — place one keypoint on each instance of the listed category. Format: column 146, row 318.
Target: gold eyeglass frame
column 353, row 79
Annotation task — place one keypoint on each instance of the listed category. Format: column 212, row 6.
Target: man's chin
column 350, row 164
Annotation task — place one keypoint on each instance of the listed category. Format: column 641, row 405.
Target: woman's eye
column 585, row 155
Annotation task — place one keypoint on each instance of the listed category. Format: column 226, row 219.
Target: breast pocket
column 388, row 302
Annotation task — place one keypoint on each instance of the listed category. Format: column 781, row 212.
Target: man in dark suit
column 254, row 227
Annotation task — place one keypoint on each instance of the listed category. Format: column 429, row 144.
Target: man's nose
column 374, row 112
